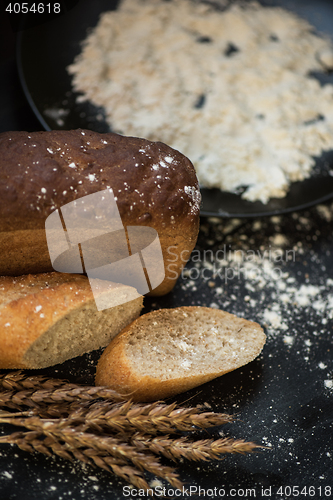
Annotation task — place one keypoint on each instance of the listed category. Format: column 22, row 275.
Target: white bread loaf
column 48, row 318
column 169, row 351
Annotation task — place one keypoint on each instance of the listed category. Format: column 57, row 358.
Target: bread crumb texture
column 233, row 90
column 167, row 351
column 48, row 318
column 172, row 343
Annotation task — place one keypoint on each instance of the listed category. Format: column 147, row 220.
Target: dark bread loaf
column 40, row 172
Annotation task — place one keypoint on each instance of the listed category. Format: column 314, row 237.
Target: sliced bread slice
column 169, row 351
column 48, row 318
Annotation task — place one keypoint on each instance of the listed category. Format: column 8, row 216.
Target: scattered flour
column 156, row 483
column 57, row 114
column 328, row 384
column 288, row 340
column 7, row 475
column 262, row 276
column 273, row 318
column 230, row 89
column 304, row 296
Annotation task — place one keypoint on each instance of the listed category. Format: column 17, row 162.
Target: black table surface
column 283, row 400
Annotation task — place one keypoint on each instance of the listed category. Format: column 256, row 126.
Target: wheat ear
column 77, row 438
column 35, row 441
column 157, row 417
column 100, row 427
column 183, row 447
column 153, row 418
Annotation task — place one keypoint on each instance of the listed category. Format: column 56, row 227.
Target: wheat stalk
column 19, row 381
column 77, row 438
column 100, row 427
column 183, row 447
column 33, row 391
column 153, row 418
column 32, row 441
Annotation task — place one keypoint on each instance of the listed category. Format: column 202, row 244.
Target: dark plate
column 45, row 51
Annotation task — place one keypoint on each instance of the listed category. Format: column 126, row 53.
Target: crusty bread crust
column 40, row 172
column 42, row 317
column 116, row 370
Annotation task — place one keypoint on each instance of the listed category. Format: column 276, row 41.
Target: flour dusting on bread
column 169, row 351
